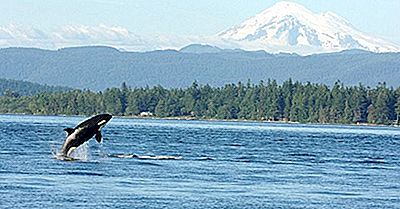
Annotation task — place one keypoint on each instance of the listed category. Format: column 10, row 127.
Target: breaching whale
column 82, row 133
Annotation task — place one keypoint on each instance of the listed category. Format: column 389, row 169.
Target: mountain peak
column 200, row 49
column 288, row 26
column 287, row 6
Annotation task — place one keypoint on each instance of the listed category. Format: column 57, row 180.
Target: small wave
column 335, row 193
column 147, row 157
column 160, row 157
column 235, row 145
column 287, row 162
column 147, row 163
column 206, row 158
column 373, row 161
column 83, row 173
column 302, row 155
column 249, row 159
column 244, row 159
column 123, row 155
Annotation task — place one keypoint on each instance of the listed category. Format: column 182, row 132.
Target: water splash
column 81, row 153
column 54, row 150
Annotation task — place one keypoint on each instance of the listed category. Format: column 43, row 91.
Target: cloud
column 94, row 33
column 83, row 35
column 115, row 36
column 13, row 31
column 23, row 36
column 72, row 35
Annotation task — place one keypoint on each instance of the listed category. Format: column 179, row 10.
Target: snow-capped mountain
column 288, row 26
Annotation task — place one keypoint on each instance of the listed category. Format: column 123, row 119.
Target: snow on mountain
column 288, row 26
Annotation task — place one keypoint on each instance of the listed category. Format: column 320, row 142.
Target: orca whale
column 82, row 133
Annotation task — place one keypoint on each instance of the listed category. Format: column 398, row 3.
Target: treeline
column 290, row 101
column 16, row 88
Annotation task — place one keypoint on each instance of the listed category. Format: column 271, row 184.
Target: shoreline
column 185, row 118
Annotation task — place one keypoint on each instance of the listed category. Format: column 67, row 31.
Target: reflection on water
column 199, row 164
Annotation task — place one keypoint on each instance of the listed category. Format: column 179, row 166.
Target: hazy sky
column 379, row 18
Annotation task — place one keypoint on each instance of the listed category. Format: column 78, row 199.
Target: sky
column 380, row 18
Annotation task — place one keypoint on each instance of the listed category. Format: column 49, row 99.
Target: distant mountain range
column 285, row 27
column 98, row 68
column 25, row 88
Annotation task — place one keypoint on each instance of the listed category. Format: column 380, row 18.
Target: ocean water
column 145, row 163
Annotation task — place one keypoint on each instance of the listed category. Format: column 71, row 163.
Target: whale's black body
column 83, row 132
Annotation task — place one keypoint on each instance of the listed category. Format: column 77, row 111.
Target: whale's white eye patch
column 102, row 122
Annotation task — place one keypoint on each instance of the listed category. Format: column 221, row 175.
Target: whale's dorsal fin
column 69, row 130
column 99, row 137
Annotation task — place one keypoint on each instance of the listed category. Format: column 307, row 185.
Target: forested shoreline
column 289, row 101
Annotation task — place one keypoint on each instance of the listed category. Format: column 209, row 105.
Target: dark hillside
column 97, row 68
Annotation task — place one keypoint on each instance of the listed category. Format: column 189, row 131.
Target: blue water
column 218, row 165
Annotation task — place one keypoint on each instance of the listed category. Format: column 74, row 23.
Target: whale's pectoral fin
column 99, row 138
column 69, row 130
